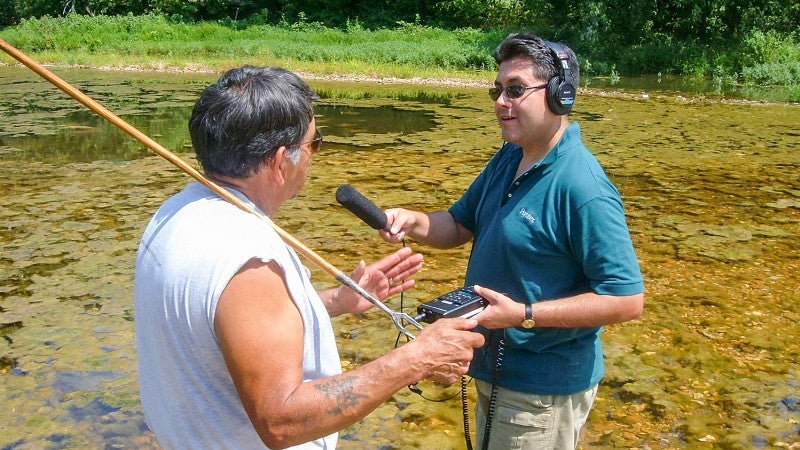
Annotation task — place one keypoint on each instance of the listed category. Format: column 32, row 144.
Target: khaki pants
column 530, row 421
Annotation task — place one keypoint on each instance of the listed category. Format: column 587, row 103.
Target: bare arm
column 265, row 362
column 437, row 229
column 580, row 311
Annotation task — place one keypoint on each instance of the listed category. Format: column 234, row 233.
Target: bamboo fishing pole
column 397, row 317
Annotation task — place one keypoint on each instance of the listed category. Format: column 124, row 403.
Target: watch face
column 528, row 321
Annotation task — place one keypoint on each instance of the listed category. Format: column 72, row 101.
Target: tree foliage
column 711, row 21
column 626, row 36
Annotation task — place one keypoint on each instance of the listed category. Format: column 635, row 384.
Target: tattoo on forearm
column 343, row 391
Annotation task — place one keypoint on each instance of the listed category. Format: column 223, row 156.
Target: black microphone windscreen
column 361, row 206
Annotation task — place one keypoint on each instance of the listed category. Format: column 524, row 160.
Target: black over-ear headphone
column 560, row 89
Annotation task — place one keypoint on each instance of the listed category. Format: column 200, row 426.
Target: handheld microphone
column 361, row 206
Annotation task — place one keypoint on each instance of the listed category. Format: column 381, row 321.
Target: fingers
column 448, row 346
column 458, row 330
column 396, row 223
column 360, row 270
column 491, row 296
column 461, row 324
column 388, row 262
column 501, row 312
column 398, row 267
column 406, row 268
column 395, row 288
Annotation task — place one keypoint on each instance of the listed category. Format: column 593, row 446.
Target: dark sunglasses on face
column 512, row 91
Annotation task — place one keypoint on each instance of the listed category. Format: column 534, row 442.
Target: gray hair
column 241, row 120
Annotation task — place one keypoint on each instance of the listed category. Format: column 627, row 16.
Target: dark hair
column 535, row 50
column 242, row 119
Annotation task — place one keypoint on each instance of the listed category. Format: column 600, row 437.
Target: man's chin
column 510, row 137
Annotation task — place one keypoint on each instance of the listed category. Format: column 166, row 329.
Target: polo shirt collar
column 570, row 138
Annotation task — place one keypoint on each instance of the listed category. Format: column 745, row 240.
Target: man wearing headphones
column 551, row 253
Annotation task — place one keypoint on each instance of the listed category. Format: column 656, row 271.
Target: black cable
column 493, row 396
column 403, row 241
column 411, row 387
column 399, row 333
column 465, row 413
column 417, row 390
column 464, row 382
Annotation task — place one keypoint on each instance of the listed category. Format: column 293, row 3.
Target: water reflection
column 712, row 196
column 82, row 136
column 346, row 121
column 695, row 86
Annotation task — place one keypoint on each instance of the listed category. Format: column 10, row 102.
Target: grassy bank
column 151, row 42
column 406, row 51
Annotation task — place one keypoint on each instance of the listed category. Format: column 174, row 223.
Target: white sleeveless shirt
column 191, row 249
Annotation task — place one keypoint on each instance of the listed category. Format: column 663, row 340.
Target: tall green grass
column 153, row 41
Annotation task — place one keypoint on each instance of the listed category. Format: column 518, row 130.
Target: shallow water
column 712, row 196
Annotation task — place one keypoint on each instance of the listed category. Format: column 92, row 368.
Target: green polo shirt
column 556, row 231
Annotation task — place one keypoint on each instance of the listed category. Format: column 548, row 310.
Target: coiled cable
column 498, row 362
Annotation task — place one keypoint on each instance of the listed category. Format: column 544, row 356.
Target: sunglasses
column 315, row 143
column 513, row 91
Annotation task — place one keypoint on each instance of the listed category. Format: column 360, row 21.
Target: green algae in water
column 711, row 196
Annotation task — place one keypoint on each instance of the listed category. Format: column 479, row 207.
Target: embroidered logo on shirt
column 526, row 215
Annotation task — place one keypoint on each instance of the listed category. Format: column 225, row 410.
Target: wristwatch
column 528, row 322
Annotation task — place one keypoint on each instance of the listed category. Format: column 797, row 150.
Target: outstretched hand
column 386, row 277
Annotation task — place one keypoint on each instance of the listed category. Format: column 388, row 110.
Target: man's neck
column 261, row 197
column 537, row 149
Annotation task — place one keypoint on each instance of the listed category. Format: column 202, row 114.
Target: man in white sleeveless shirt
column 236, row 348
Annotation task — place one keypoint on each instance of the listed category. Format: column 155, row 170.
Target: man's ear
column 278, row 164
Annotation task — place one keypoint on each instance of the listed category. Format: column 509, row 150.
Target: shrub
column 786, row 73
column 769, row 58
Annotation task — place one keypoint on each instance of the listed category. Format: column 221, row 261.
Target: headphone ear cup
column 566, row 96
column 555, row 98
column 560, row 90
